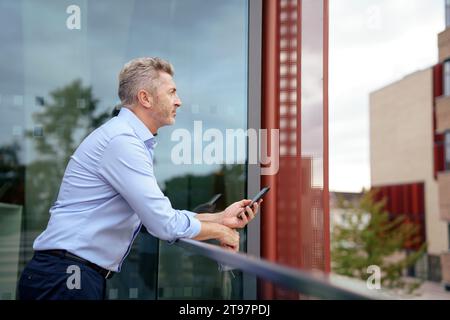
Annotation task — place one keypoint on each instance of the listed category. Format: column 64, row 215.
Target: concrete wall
column 444, row 45
column 442, row 114
column 401, row 145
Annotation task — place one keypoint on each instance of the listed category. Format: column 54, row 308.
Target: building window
column 448, row 236
column 447, row 13
column 447, row 78
column 447, row 150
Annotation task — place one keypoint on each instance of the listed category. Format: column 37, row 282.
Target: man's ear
column 145, row 98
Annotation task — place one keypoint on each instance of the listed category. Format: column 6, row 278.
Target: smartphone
column 259, row 195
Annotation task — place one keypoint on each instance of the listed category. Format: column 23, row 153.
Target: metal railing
column 308, row 283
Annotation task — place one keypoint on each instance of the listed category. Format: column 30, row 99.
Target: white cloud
column 372, row 43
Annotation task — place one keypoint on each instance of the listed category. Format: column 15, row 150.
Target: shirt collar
column 138, row 126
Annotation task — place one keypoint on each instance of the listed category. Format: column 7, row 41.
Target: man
column 109, row 190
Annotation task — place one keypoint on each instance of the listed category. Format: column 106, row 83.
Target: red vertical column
column 438, row 148
column 295, row 214
column 326, row 196
column 269, row 119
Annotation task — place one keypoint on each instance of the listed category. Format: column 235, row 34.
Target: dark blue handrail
column 315, row 284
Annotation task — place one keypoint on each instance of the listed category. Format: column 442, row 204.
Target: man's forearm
column 209, row 230
column 210, row 217
column 227, row 237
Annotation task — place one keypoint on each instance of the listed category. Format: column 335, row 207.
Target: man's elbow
column 166, row 235
column 172, row 231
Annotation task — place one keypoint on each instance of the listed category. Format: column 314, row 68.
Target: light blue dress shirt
column 108, row 190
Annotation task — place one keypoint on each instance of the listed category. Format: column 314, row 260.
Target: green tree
column 69, row 116
column 12, row 173
column 366, row 235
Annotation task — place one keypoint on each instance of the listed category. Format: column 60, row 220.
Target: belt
column 107, row 274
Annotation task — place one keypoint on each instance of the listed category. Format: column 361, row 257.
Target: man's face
column 166, row 101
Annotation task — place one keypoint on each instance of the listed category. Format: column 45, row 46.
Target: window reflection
column 447, row 78
column 58, row 84
column 447, row 150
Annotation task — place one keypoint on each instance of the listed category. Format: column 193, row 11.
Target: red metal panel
column 395, row 199
column 295, row 217
column 326, row 197
column 269, row 119
column 438, row 88
column 406, row 204
column 415, row 199
column 292, row 175
column 438, row 148
column 439, row 155
column 421, row 198
column 408, row 200
column 402, row 190
column 390, row 195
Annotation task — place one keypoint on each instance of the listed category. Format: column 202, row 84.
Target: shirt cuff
column 195, row 225
column 192, row 230
column 189, row 213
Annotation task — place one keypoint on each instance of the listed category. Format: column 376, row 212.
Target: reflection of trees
column 188, row 191
column 71, row 115
column 177, row 268
column 65, row 121
column 11, row 175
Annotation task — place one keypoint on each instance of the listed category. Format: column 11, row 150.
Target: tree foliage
column 65, row 120
column 367, row 235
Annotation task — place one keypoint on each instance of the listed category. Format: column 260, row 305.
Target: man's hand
column 227, row 237
column 238, row 214
column 230, row 239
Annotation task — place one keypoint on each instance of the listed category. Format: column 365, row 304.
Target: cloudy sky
column 372, row 43
column 39, row 54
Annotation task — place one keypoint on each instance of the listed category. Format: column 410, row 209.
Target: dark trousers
column 48, row 277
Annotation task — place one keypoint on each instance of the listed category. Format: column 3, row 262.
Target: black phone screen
column 259, row 195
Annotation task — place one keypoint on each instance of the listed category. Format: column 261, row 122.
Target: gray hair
column 141, row 73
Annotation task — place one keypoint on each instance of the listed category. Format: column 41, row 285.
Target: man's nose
column 178, row 102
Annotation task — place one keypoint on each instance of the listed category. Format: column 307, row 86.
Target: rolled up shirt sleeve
column 127, row 166
column 190, row 213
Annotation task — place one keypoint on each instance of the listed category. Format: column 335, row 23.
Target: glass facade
column 58, row 81
column 314, row 228
column 447, row 149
